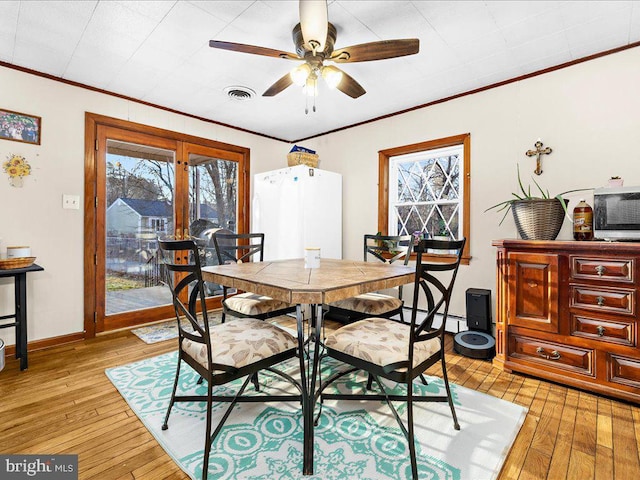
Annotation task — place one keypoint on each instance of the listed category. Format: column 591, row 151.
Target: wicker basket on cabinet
column 302, row 158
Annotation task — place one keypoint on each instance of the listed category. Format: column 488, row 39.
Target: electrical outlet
column 71, row 201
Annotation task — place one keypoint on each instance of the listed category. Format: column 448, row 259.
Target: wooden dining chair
column 401, row 352
column 219, row 353
column 387, row 249
column 240, row 248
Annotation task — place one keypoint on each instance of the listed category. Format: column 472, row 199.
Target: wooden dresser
column 568, row 312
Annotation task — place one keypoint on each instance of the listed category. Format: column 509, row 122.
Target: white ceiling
column 157, row 51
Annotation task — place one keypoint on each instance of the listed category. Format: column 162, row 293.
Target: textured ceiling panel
column 157, row 51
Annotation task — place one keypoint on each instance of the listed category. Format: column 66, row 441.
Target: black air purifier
column 477, row 342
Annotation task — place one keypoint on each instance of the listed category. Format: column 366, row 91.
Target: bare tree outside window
column 425, row 187
column 425, row 193
column 160, row 174
column 124, row 183
column 213, row 187
column 222, row 190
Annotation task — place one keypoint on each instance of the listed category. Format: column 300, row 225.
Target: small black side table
column 20, row 315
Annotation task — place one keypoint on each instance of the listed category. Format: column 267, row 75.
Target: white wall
column 587, row 113
column 33, row 215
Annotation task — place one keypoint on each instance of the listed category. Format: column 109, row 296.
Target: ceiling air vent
column 239, row 94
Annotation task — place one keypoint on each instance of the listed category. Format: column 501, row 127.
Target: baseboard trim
column 47, row 343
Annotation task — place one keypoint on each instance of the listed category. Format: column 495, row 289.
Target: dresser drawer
column 603, row 299
column 623, row 370
column 574, row 359
column 622, row 332
column 611, row 270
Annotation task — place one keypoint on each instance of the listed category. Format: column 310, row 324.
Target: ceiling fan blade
column 241, row 47
column 279, row 86
column 314, row 22
column 366, row 52
column 349, row 86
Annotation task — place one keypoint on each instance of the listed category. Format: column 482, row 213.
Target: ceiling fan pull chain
column 315, row 93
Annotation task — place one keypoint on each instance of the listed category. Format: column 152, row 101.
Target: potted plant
column 441, row 232
column 537, row 217
column 616, row 182
column 389, row 245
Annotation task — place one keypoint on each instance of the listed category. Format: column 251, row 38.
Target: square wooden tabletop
column 289, row 281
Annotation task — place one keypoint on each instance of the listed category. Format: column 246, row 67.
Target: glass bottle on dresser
column 583, row 221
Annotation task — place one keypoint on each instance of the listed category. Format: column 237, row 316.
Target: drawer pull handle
column 600, row 330
column 533, row 284
column 600, row 301
column 555, row 355
column 600, row 269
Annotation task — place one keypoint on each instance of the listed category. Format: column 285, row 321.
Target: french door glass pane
column 213, row 186
column 139, row 208
column 213, row 193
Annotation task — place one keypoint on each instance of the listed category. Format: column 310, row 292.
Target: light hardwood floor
column 64, row 403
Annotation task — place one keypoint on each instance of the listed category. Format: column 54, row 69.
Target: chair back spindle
column 239, row 247
column 388, row 248
column 436, row 290
column 185, row 282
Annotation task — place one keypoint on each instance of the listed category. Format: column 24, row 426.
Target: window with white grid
column 426, row 192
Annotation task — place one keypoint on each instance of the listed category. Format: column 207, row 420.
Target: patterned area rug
column 354, row 440
column 159, row 332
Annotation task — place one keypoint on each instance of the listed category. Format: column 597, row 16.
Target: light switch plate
column 71, row 201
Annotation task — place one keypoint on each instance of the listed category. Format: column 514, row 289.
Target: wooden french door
column 144, row 183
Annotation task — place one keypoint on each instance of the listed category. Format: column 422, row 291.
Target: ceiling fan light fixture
column 314, row 22
column 332, row 75
column 300, row 74
column 314, row 38
column 310, row 88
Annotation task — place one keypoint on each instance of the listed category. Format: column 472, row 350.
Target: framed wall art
column 20, row 127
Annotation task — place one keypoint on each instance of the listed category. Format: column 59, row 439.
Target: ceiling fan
column 314, row 38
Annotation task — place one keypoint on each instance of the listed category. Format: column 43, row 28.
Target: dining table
column 309, row 289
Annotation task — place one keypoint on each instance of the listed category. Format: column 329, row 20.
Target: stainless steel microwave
column 616, row 213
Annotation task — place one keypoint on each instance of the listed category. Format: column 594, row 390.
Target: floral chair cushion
column 379, row 341
column 252, row 304
column 369, row 303
column 241, row 342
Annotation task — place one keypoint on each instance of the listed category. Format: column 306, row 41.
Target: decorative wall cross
column 538, row 152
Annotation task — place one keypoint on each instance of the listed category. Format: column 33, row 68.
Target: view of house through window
column 139, row 207
column 140, row 189
column 425, row 192
column 159, row 225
